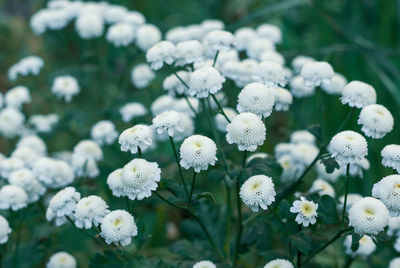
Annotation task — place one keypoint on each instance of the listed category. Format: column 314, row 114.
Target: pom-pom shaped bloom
column 322, row 188
column 169, row 122
column 26, row 154
column 270, row 73
column 247, row 131
column 65, row 87
column 147, row 35
column 366, row 246
column 351, row 200
column 347, row 147
column 388, row 191
column 88, row 149
column 118, row 227
column 114, row 182
column 358, row 94
column 104, row 132
column 218, row 40
column 90, row 211
column 258, row 191
column 335, row 85
column 257, row 46
column 142, row 75
column 306, row 211
column 204, row 264
column 9, row 165
column 270, row 31
column 376, row 121
column 62, row 205
column 135, row 138
column 26, row 179
column 89, row 25
column 198, row 152
column 11, row 122
column 220, row 120
column 391, row 156
column 242, row 37
column 291, row 169
column 316, row 72
column 17, row 96
column 5, row 230
column 304, row 153
column 283, row 99
column 139, row 178
column 26, row 66
column 160, row 53
column 53, row 173
column 132, row 110
column 13, row 197
column 271, row 55
column 299, row 61
column 299, row 89
column 43, row 123
column 279, row 263
column 368, row 216
column 302, row 136
column 33, row 142
column 61, row 260
column 256, row 98
column 188, row 52
column 173, row 85
column 204, row 81
column 121, row 34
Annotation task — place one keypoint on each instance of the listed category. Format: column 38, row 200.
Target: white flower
column 302, row 136
column 173, row 85
column 188, row 129
column 147, row 35
column 391, row 156
column 348, row 146
column 388, row 191
column 61, row 260
column 121, row 34
column 368, row 216
column 247, row 131
column 26, row 179
column 357, row 168
column 204, row 264
column 90, row 211
column 323, row 174
column 33, row 142
column 299, row 61
column 62, row 205
column 26, row 66
column 211, row 25
column 53, row 173
column 394, row 263
column 13, row 197
column 9, row 165
column 376, row 121
column 198, row 152
column 304, row 153
column 65, row 87
column 270, row 73
column 258, row 191
column 316, row 72
column 43, row 123
column 138, row 136
column 142, row 75
column 322, row 188
column 335, row 85
column 160, row 53
column 169, row 122
column 218, row 40
column 118, row 227
column 242, row 37
column 114, row 13
column 283, row 99
column 104, row 132
column 114, row 182
column 393, row 226
column 256, row 98
column 291, row 169
column 220, row 120
column 134, row 18
column 17, row 96
column 89, row 25
column 161, row 104
column 188, row 52
column 271, row 55
column 351, row 199
column 279, row 263
column 366, row 246
column 88, row 149
column 132, row 110
column 299, row 89
column 84, row 167
column 358, row 94
column 256, row 46
column 5, row 230
column 306, row 211
column 11, row 122
column 269, row 31
column 204, row 81
column 396, row 245
column 139, row 178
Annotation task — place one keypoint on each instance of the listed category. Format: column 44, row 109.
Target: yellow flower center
column 369, row 212
column 117, row 222
column 255, row 186
column 306, row 209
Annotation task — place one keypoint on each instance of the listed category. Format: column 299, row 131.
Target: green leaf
column 355, row 241
column 117, row 259
column 330, row 164
column 189, row 250
column 327, row 212
column 259, row 233
column 284, row 209
column 216, row 175
column 316, row 131
column 300, row 242
column 206, row 195
column 266, row 166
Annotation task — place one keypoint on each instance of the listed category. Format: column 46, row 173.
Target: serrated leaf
column 330, row 164
column 327, row 212
column 316, row 131
column 300, row 242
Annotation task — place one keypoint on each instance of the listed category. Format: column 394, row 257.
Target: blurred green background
column 361, row 39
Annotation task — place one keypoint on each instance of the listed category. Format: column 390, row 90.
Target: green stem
column 191, row 189
column 179, row 165
column 220, row 108
column 128, row 204
column 298, row 251
column 215, row 58
column 139, row 151
column 346, row 192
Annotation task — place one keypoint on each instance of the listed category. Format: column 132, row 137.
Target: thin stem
column 128, row 204
column 244, row 159
column 179, row 165
column 346, row 191
column 203, row 227
column 220, row 108
column 215, row 58
column 191, row 189
column 333, row 239
column 346, row 119
column 298, row 252
column 139, row 151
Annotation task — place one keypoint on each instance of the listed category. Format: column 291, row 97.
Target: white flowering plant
column 131, row 144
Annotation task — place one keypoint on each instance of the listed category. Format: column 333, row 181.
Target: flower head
column 104, row 132
column 270, row 73
column 61, row 259
column 279, row 263
column 218, row 40
column 132, row 110
column 388, row 191
column 316, row 72
column 204, row 264
column 62, row 205
column 5, row 230
column 17, row 96
column 142, row 75
column 121, row 34
column 220, row 120
column 188, row 52
column 198, row 152
column 256, row 98
column 118, row 227
column 306, row 211
column 348, row 146
column 391, row 156
column 258, row 191
column 376, row 121
column 169, row 122
column 160, row 53
column 366, row 246
column 13, row 197
column 322, row 188
column 136, row 137
column 299, row 88
column 358, row 94
column 90, row 211
column 65, row 87
column 283, row 99
column 114, row 182
column 204, row 81
column 89, row 25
